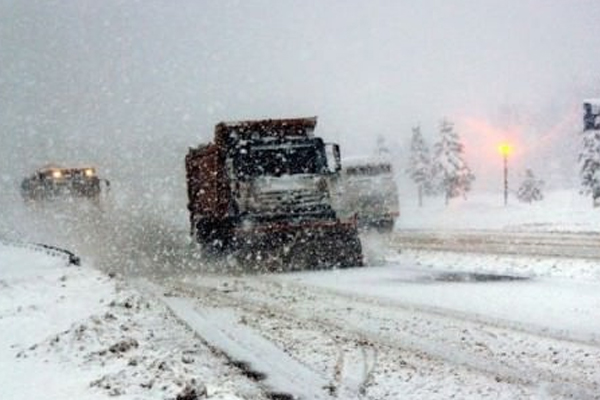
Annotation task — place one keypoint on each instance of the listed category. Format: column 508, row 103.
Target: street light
column 505, row 149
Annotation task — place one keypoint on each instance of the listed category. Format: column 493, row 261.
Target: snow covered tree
column 382, row 147
column 530, row 189
column 419, row 164
column 450, row 172
column 589, row 163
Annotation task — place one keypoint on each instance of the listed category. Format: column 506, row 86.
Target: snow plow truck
column 265, row 191
column 53, row 182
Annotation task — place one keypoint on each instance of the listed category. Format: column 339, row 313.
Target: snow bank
column 71, row 332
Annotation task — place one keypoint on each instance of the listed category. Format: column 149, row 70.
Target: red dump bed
column 227, row 133
column 208, row 188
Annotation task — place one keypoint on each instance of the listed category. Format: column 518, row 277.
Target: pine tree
column 531, row 188
column 589, row 162
column 452, row 176
column 382, row 149
column 419, row 164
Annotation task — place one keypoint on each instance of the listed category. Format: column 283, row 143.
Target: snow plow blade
column 305, row 247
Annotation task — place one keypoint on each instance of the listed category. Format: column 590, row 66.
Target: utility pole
column 505, row 179
column 505, row 149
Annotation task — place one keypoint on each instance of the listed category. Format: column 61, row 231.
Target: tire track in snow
column 563, row 368
column 281, row 375
column 354, row 370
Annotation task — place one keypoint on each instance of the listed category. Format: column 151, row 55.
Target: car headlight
column 56, row 174
column 89, row 172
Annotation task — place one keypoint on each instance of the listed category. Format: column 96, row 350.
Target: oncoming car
column 54, row 182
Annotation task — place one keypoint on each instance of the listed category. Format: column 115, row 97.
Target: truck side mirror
column 334, row 160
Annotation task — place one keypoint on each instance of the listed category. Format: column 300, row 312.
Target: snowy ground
column 399, row 329
column 564, row 210
column 71, row 332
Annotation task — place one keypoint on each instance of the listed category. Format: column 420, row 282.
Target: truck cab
column 284, row 178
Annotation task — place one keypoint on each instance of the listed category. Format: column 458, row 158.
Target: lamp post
column 505, row 149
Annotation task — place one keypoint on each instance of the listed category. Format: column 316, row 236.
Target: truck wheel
column 352, row 250
column 213, row 236
column 385, row 225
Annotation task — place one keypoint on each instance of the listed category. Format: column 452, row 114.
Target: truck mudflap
column 287, row 247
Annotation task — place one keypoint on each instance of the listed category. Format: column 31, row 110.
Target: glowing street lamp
column 505, row 150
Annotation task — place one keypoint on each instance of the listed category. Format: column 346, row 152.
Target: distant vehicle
column 370, row 191
column 55, row 182
column 264, row 191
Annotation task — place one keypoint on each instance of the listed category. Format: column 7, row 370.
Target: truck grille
column 289, row 200
column 290, row 205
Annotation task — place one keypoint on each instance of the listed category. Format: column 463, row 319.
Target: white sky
column 128, row 83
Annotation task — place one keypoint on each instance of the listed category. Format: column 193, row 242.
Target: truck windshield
column 276, row 159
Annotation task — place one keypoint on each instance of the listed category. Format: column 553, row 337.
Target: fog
column 129, row 85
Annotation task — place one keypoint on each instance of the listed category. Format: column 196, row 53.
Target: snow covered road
column 509, row 356
column 533, row 243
